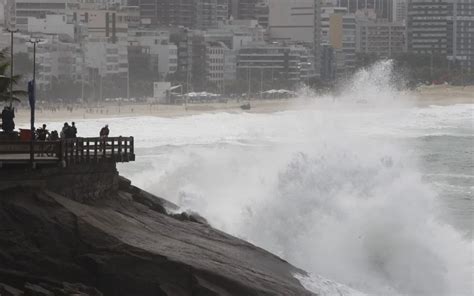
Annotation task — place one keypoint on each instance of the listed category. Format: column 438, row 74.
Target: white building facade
column 291, row 20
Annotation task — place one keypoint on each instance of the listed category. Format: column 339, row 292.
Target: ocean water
column 364, row 189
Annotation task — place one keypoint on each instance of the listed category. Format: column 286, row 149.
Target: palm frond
column 4, row 67
column 6, row 98
column 20, row 93
column 3, row 53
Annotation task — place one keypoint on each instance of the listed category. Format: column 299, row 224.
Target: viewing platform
column 66, row 152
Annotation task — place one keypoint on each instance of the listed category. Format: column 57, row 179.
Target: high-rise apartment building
column 463, row 33
column 250, row 10
column 291, row 20
column 262, row 8
column 383, row 8
column 184, row 40
column 243, row 9
column 195, row 14
column 335, row 34
column 273, row 64
column 222, row 10
column 40, row 8
column 442, row 27
column 399, row 10
column 430, row 27
column 215, row 64
column 205, row 14
column 317, row 49
column 383, row 39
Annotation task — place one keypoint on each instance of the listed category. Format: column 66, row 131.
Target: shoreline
column 422, row 97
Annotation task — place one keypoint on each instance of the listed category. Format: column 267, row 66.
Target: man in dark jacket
column 8, row 125
column 42, row 133
column 104, row 132
column 73, row 130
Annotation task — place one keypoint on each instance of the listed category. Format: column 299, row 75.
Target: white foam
column 332, row 189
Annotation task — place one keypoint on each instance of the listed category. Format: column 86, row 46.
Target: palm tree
column 6, row 80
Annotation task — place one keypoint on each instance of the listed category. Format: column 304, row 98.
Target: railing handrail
column 76, row 150
column 92, row 139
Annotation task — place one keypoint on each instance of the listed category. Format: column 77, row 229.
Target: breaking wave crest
column 315, row 189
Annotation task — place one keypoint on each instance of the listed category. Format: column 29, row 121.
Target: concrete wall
column 84, row 183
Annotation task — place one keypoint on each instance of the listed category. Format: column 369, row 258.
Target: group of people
column 42, row 134
column 67, row 132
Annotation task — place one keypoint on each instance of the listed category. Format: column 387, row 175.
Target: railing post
column 113, row 148
column 66, row 152
column 120, row 148
column 132, row 147
column 88, row 153
column 95, row 150
column 81, row 140
column 76, row 144
column 105, row 149
column 73, row 158
column 60, row 151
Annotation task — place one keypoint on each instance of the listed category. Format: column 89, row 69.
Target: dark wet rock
column 125, row 244
column 6, row 290
column 151, row 203
column 35, row 290
column 43, row 289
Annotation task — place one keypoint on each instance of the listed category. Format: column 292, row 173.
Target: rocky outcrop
column 124, row 242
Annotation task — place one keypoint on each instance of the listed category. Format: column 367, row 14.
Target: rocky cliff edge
column 122, row 241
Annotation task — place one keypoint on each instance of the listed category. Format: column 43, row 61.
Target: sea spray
column 335, row 189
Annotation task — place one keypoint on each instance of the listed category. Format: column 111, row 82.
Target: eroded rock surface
column 125, row 244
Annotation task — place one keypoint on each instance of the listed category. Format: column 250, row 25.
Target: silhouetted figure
column 104, row 132
column 73, row 130
column 54, row 136
column 65, row 131
column 42, row 133
column 8, row 124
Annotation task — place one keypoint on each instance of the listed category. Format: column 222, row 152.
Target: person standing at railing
column 73, row 130
column 65, row 131
column 42, row 135
column 104, row 133
column 54, row 136
column 8, row 124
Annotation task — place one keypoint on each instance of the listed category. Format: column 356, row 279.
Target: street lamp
column 32, row 99
column 249, row 77
column 11, row 63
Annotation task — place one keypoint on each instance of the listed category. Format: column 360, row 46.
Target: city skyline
column 204, row 44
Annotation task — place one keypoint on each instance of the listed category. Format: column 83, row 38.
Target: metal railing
column 72, row 151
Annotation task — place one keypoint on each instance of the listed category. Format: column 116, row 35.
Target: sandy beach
column 424, row 96
column 444, row 95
